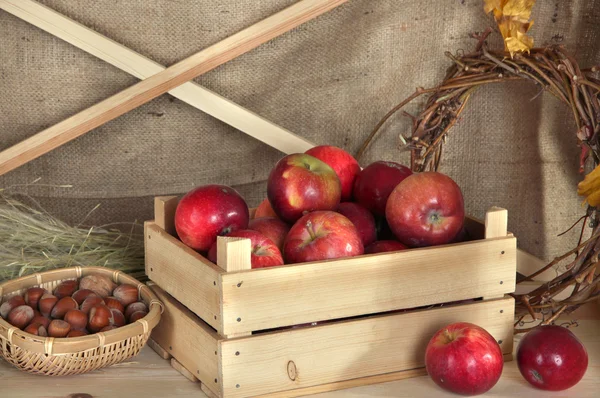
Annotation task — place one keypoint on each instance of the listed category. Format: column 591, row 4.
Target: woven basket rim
column 71, row 345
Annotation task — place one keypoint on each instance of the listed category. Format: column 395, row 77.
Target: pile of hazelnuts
column 75, row 308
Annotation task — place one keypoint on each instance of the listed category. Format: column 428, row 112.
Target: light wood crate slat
column 346, row 350
column 183, row 273
column 190, row 340
column 296, row 294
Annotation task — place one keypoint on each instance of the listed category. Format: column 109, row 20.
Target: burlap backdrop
column 329, row 80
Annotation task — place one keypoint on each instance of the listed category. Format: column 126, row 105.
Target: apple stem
column 448, row 335
column 310, row 229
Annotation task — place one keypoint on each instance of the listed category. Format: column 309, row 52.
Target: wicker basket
column 68, row 356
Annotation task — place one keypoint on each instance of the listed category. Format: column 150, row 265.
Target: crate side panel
column 187, row 338
column 291, row 295
column 184, row 274
column 311, row 356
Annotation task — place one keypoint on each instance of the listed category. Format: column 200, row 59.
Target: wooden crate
column 231, row 327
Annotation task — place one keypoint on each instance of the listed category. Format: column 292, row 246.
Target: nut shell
column 112, row 302
column 59, row 328
column 77, row 319
column 42, row 320
column 81, row 294
column 134, row 307
column 90, row 302
column 99, row 317
column 47, row 303
column 36, row 329
column 99, row 284
column 137, row 315
column 108, row 328
column 126, row 294
column 66, row 288
column 20, row 316
column 10, row 304
column 118, row 319
column 33, row 295
column 77, row 333
column 63, row 306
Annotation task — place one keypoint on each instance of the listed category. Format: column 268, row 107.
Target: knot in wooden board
column 292, row 371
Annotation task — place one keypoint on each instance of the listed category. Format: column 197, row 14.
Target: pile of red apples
column 321, row 205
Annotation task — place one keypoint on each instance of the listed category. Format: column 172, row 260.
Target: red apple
column 552, row 358
column 301, row 183
column 464, row 358
column 426, row 209
column 321, row 235
column 264, row 251
column 344, row 165
column 362, row 219
column 375, row 182
column 264, row 209
column 381, row 246
column 207, row 212
column 271, row 227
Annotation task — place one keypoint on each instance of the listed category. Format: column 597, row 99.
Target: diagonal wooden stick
column 141, row 67
column 160, row 83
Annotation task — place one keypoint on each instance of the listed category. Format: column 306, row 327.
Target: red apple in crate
column 271, row 227
column 264, row 251
column 426, row 209
column 344, row 165
column 322, row 235
column 552, row 358
column 382, row 246
column 207, row 212
column 375, row 183
column 264, row 209
column 301, row 183
column 464, row 358
column 362, row 219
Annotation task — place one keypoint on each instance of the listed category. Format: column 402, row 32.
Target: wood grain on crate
column 339, row 351
column 184, row 273
column 185, row 336
column 295, row 294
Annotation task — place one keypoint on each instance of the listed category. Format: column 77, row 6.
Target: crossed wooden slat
column 158, row 80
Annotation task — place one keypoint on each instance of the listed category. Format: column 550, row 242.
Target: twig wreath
column 558, row 73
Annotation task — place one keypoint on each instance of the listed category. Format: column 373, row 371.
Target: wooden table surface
column 148, row 375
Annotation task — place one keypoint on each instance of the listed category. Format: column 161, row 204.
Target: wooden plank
column 208, row 391
column 191, row 342
column 368, row 284
column 348, row 350
column 234, row 254
column 184, row 372
column 496, row 223
column 162, row 82
column 141, row 67
column 164, row 213
column 164, row 354
column 183, row 273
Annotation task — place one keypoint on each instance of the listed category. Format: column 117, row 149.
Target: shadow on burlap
column 330, row 81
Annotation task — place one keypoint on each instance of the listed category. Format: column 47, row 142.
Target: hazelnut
column 9, row 304
column 42, row 320
column 137, row 315
column 126, row 294
column 63, row 306
column 89, row 302
column 99, row 284
column 107, row 328
column 20, row 316
column 66, row 288
column 112, row 302
column 134, row 307
column 47, row 303
column 81, row 294
column 77, row 333
column 33, row 296
column 36, row 329
column 99, row 317
column 118, row 318
column 76, row 318
column 58, row 328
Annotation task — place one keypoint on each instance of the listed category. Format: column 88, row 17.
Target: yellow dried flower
column 512, row 17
